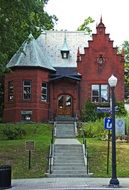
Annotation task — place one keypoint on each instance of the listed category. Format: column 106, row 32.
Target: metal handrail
column 52, row 138
column 85, row 149
column 50, row 159
column 51, row 152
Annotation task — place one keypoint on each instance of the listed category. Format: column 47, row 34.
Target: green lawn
column 98, row 158
column 13, row 152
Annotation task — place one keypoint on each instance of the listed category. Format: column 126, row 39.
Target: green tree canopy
column 85, row 26
column 125, row 46
column 19, row 18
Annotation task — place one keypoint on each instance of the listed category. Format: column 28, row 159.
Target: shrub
column 127, row 124
column 88, row 112
column 95, row 129
column 13, row 132
column 127, row 100
column 121, row 109
column 102, row 114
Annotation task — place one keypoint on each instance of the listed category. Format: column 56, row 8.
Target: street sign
column 29, row 145
column 108, row 123
column 106, row 109
column 103, row 110
column 120, row 127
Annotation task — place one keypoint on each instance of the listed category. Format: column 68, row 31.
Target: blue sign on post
column 108, row 123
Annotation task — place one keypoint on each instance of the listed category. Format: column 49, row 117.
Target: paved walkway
column 87, row 183
column 67, row 183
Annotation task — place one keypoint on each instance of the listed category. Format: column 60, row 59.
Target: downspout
column 79, row 97
column 48, row 101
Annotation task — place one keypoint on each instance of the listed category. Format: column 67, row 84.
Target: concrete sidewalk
column 67, row 183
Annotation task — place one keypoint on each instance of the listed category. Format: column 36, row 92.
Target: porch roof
column 65, row 72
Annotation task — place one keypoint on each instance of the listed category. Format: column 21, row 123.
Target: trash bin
column 5, row 177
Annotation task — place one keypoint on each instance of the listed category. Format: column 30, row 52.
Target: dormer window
column 64, row 54
column 65, row 49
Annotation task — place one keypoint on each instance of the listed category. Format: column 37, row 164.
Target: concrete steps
column 68, row 161
column 65, row 130
column 75, row 166
column 64, row 118
column 68, row 157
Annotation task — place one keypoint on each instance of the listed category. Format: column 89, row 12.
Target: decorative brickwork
column 39, row 92
column 19, row 109
column 98, row 63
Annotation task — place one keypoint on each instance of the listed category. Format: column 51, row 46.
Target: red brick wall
column 63, row 87
column 92, row 73
column 12, row 110
column 88, row 67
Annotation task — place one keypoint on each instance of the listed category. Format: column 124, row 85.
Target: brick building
column 55, row 75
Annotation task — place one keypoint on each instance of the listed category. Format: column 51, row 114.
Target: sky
column 72, row 13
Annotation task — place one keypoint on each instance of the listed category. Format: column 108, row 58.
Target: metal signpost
column 120, row 131
column 30, row 148
column 108, row 126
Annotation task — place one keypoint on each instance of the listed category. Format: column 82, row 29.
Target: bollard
column 5, row 177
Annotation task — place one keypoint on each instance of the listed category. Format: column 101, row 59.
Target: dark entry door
column 64, row 105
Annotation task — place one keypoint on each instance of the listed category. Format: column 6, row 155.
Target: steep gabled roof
column 51, row 44
column 30, row 55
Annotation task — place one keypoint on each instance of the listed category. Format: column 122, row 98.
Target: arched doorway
column 64, row 105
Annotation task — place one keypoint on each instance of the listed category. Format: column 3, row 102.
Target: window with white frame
column 10, row 91
column 27, row 90
column 44, row 91
column 100, row 93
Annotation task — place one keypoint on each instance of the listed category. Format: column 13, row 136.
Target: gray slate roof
column 30, row 55
column 52, row 42
column 45, row 51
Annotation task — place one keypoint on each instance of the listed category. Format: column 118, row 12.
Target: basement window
column 26, row 115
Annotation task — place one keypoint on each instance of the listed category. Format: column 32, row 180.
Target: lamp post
column 114, row 181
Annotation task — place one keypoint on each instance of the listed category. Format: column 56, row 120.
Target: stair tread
column 68, row 155
column 65, row 129
column 68, row 175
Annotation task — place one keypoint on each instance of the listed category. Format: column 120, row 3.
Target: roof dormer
column 65, row 49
